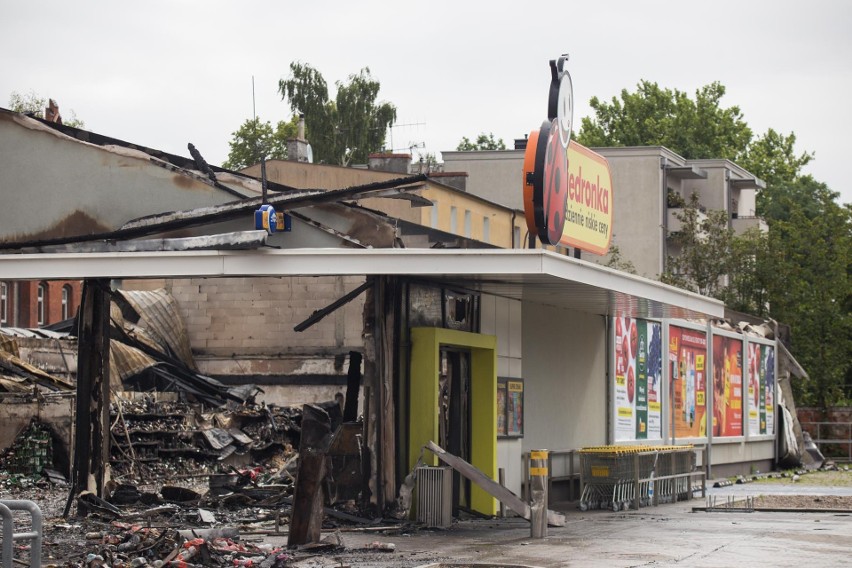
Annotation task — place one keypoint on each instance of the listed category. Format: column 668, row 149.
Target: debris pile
column 157, row 443
column 126, row 545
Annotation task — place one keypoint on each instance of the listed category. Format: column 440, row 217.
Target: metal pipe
column 7, row 535
column 35, row 535
column 664, row 166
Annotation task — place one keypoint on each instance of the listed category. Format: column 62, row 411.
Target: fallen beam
column 490, row 486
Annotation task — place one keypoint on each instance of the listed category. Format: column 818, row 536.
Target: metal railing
column 838, row 434
column 562, row 465
column 10, row 536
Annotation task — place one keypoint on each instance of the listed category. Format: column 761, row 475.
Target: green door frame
column 426, row 344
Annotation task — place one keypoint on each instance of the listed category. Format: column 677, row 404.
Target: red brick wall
column 22, row 301
column 834, row 423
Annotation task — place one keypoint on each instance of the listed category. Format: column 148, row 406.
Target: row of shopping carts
column 612, row 475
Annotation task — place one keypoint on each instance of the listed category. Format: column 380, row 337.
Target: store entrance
column 454, row 420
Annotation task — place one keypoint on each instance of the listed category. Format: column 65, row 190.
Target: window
column 434, row 214
column 486, row 229
column 468, row 229
column 4, row 303
column 66, row 301
column 454, row 223
column 41, row 299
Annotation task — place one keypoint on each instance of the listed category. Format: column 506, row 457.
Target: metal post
column 538, row 493
column 501, row 476
column 636, row 491
column 8, row 541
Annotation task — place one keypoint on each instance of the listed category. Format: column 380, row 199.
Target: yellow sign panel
column 538, row 472
column 539, row 455
column 588, row 211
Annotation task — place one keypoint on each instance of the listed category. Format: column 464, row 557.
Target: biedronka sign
column 567, row 188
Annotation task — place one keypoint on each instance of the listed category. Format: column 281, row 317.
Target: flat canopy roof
column 523, row 274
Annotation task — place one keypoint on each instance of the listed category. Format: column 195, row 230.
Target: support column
column 92, row 436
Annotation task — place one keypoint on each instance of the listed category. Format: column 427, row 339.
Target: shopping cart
column 614, row 477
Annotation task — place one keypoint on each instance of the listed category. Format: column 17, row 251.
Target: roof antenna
column 264, row 218
column 259, row 148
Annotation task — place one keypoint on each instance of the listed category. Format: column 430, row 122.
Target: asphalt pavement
column 666, row 535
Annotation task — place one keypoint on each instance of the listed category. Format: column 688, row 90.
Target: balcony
column 674, row 224
column 743, row 224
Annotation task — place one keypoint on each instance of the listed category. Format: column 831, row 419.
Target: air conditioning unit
column 435, row 496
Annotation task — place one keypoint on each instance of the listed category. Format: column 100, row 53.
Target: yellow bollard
column 538, row 493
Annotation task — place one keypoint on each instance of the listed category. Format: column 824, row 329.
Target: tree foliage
column 344, row 130
column 703, row 248
column 809, row 258
column 653, row 116
column 483, row 142
column 256, row 139
column 34, row 104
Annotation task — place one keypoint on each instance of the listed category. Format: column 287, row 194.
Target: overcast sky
column 164, row 73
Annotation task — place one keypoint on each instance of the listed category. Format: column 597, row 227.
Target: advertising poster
column 768, row 370
column 501, row 408
column 638, row 376
column 687, row 354
column 727, row 386
column 515, row 408
column 756, row 390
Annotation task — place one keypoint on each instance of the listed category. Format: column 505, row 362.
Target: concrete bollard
column 538, row 493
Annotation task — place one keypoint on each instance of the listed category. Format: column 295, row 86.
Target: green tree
column 256, row 139
column 810, row 257
column 750, row 272
column 32, row 103
column 346, row 129
column 653, row 116
column 483, row 142
column 616, row 260
column 702, row 250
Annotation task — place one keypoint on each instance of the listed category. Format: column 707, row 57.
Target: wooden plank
column 306, row 515
column 491, row 487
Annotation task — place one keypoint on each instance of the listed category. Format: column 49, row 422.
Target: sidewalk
column 666, row 535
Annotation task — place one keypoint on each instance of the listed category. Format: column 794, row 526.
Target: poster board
column 637, row 389
column 510, row 408
column 761, row 389
column 687, row 354
column 727, row 384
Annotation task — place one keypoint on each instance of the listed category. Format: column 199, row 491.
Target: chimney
column 396, row 163
column 51, row 113
column 298, row 149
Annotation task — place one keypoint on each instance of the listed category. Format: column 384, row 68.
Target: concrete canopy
column 529, row 275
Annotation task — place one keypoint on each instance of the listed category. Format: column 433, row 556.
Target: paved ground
column 666, row 535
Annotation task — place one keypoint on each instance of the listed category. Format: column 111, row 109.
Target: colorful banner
column 638, row 378
column 727, row 386
column 769, row 372
column 761, row 389
column 687, row 355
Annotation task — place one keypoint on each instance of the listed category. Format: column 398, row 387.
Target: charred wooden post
column 385, row 306
column 91, row 446
column 307, row 512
